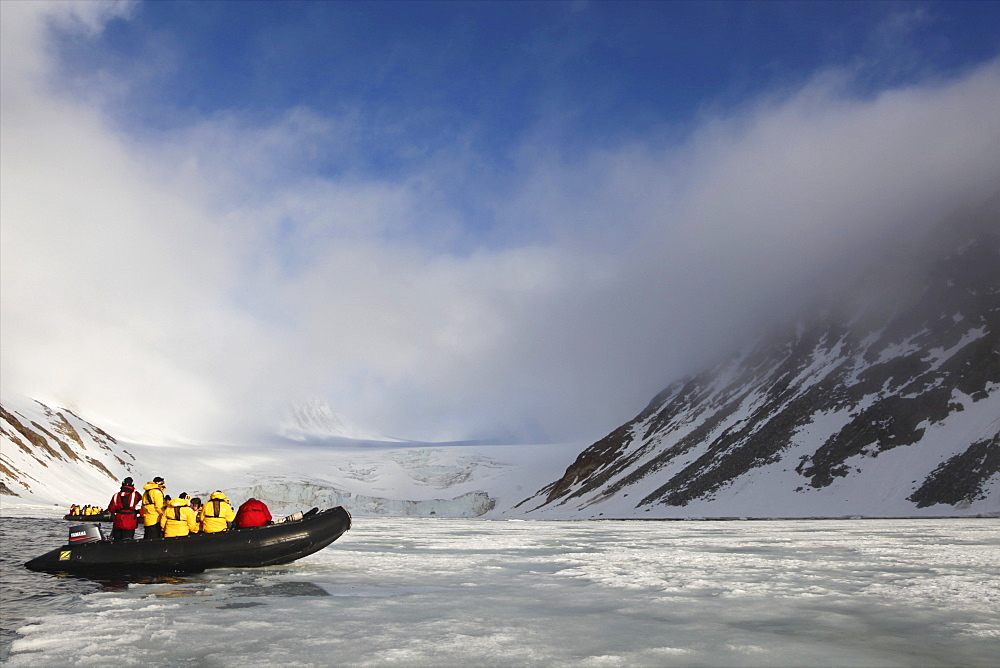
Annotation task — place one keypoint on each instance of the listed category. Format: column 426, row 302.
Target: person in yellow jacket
column 217, row 513
column 152, row 507
column 178, row 519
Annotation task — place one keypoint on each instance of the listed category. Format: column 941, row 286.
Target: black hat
column 157, row 479
column 127, row 481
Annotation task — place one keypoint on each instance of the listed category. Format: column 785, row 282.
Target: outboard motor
column 85, row 533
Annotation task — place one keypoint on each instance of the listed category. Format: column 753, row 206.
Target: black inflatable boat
column 269, row 545
column 100, row 517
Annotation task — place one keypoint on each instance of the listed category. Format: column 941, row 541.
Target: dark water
column 25, row 594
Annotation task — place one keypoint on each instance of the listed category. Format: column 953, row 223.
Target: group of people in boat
column 88, row 509
column 164, row 517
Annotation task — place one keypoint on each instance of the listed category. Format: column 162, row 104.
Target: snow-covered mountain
column 887, row 406
column 55, row 455
column 890, row 410
column 314, row 419
column 51, row 456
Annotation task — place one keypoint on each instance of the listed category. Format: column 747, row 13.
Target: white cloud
column 194, row 282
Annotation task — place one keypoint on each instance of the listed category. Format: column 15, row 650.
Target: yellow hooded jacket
column 178, row 519
column 216, row 514
column 152, row 502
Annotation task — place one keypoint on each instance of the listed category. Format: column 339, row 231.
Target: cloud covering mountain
column 884, row 402
column 185, row 277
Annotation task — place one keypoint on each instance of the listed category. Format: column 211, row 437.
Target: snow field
column 472, row 592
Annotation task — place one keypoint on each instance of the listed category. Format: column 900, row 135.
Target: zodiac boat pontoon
column 270, row 545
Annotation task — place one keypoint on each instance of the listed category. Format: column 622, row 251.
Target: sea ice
column 620, row 593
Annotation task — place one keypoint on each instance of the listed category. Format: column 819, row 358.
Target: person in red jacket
column 124, row 509
column 252, row 513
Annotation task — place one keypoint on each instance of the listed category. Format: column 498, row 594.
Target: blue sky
column 456, row 220
column 423, row 76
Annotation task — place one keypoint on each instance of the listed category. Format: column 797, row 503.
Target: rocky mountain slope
column 56, row 453
column 890, row 408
